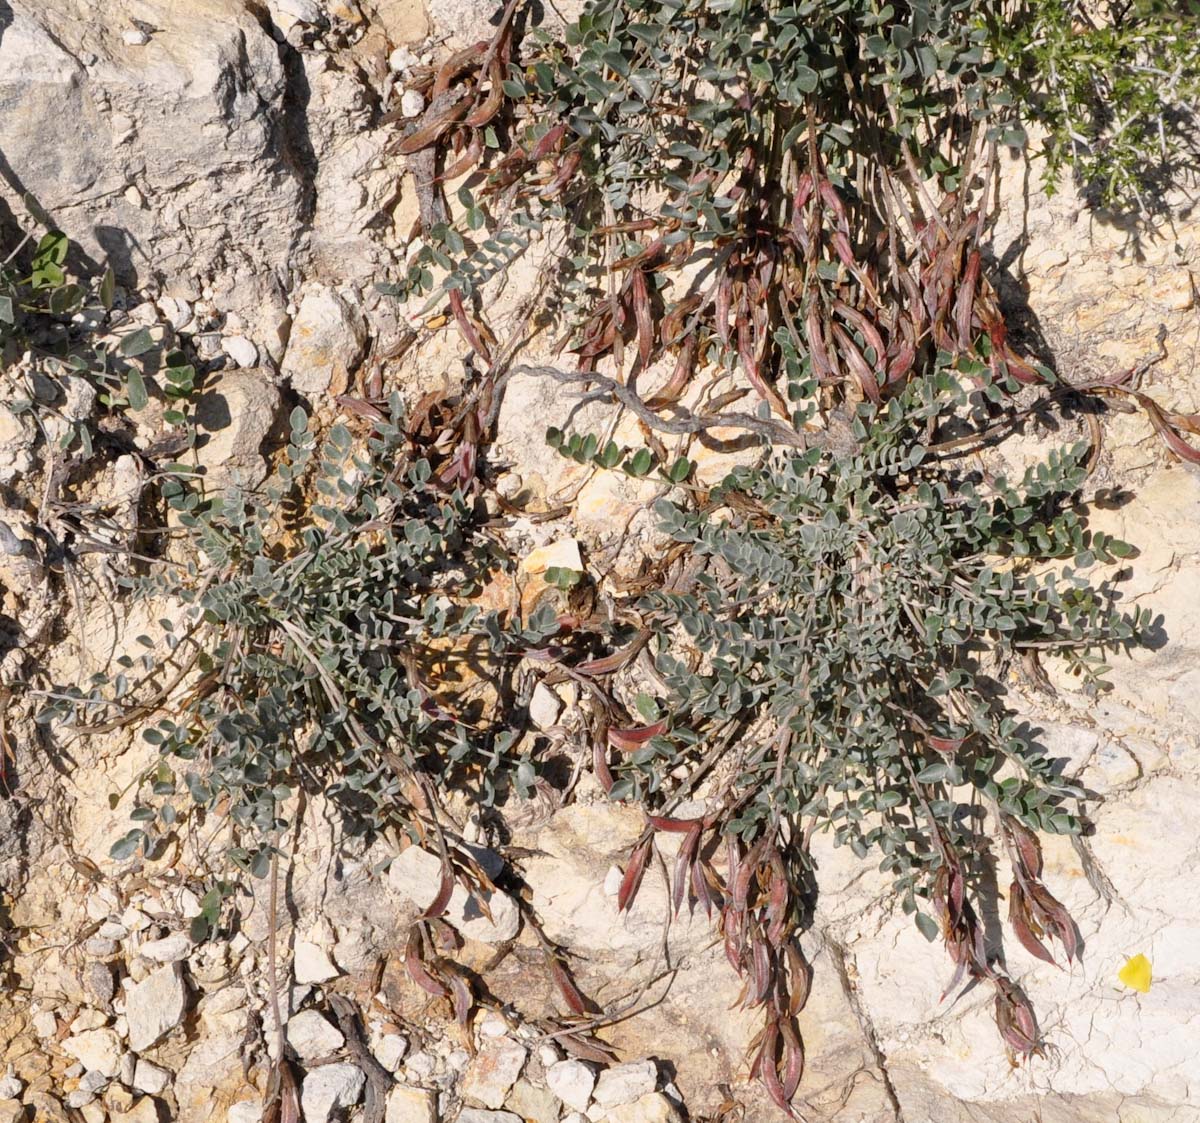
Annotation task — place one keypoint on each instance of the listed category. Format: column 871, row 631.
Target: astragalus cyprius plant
column 836, row 665
column 302, row 644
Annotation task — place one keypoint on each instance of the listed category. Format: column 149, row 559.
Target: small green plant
column 49, row 324
column 1115, row 85
column 835, row 667
column 306, row 650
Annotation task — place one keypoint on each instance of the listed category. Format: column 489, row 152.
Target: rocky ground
column 229, row 158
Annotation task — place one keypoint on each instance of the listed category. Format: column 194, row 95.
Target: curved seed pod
column 438, row 119
column 1015, row 1019
column 643, row 316
column 630, row 740
column 467, row 160
column 964, row 304
column 548, row 143
column 567, row 988
column 416, row 968
column 632, row 881
column 490, row 106
column 566, row 170
column 683, row 863
column 1024, row 926
column 867, row 329
column 685, row 366
column 857, row 363
column 456, row 64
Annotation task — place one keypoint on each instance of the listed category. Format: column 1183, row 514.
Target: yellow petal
column 1136, row 973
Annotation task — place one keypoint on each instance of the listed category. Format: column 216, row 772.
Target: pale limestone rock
column 622, row 1084
column 245, row 1111
column 329, row 1090
column 572, row 1082
column 326, row 342
column 493, row 1071
column 11, row 1085
column 416, row 875
column 544, row 706
column 233, row 417
column 144, row 1111
column 149, row 1077
column 241, row 350
column 170, row 949
column 390, row 1050
column 652, row 1108
column 98, row 1050
column 155, row 1006
column 533, row 1103
column 482, row 1115
column 194, row 112
column 312, row 1036
column 411, row 1105
column 311, row 963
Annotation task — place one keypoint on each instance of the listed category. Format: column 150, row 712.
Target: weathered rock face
column 179, row 165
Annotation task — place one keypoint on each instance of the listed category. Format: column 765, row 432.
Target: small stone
column 119, row 1100
column 311, row 963
column 492, row 1025
column 101, row 904
column 544, row 707
column 144, row 1111
column 533, row 1103
column 402, row 60
column 652, row 1108
column 134, row 197
column 549, row 1054
column 478, row 1115
column 11, row 1085
column 493, row 1072
column 390, row 1050
column 574, row 1117
column 327, row 339
column 170, row 949
column 149, row 1077
column 113, row 930
column 177, row 312
column 93, row 1081
column 99, row 984
column 420, row 1066
column 288, row 13
column 412, row 104
column 73, row 1071
column 99, row 948
column 88, row 1019
column 128, row 1072
column 312, row 1036
column 134, row 37
column 330, row 1089
column 625, row 1083
column 98, row 1050
column 563, row 554
column 245, row 1111
column 45, row 1024
column 80, row 1097
column 411, row 1105
column 155, row 1006
column 572, row 1082
column 240, row 350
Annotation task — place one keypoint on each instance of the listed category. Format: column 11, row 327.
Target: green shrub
column 302, row 643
